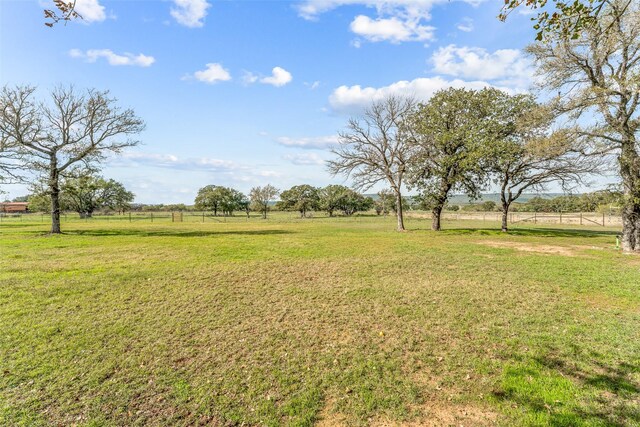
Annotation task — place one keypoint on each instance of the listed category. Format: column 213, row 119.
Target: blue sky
column 244, row 93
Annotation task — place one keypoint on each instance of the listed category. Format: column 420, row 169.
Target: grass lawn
column 320, row 321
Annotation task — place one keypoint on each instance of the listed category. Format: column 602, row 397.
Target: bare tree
column 261, row 197
column 596, row 78
column 11, row 161
column 375, row 147
column 527, row 154
column 73, row 129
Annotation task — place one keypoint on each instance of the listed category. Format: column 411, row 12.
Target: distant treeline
column 597, row 201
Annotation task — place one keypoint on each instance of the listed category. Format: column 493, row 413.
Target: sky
column 245, row 93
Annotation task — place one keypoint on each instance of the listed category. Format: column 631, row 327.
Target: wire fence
column 516, row 218
column 569, row 218
column 150, row 217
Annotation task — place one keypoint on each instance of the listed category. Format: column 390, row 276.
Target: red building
column 14, row 207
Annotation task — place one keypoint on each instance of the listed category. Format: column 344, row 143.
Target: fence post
column 202, row 216
column 580, row 218
column 560, row 217
column 151, row 216
column 129, row 216
column 603, row 219
column 535, row 217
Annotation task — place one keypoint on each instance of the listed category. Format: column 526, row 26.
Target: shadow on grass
column 7, row 225
column 562, row 394
column 172, row 233
column 534, row 232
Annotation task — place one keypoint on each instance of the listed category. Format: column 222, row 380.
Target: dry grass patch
column 536, row 248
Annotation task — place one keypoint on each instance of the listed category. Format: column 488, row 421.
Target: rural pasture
column 320, row 321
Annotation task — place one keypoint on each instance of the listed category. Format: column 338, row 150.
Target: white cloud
column 92, row 55
column 313, row 86
column 392, row 29
column 318, row 142
column 90, row 10
column 190, row 13
column 466, row 25
column 396, row 21
column 249, row 78
column 223, row 171
column 509, row 66
column 279, row 77
column 175, row 162
column 304, row 159
column 351, row 99
column 312, row 9
column 212, row 74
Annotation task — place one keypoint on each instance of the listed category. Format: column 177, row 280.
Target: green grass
column 334, row 321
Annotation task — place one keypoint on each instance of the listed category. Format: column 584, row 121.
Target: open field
column 320, row 321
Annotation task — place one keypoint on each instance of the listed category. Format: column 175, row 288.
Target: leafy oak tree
column 84, row 193
column 76, row 128
column 87, row 193
column 352, row 202
column 219, row 199
column 331, row 198
column 301, row 198
column 450, row 134
column 340, row 198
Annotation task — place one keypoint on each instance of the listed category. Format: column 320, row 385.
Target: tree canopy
column 301, row 198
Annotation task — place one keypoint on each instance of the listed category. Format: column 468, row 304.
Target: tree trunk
column 436, row 213
column 506, row 202
column 631, row 228
column 399, row 212
column 630, row 172
column 54, row 189
column 505, row 217
column 264, row 213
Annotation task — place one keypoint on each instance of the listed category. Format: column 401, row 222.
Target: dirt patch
column 603, row 301
column 434, row 414
column 525, row 247
column 457, row 415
